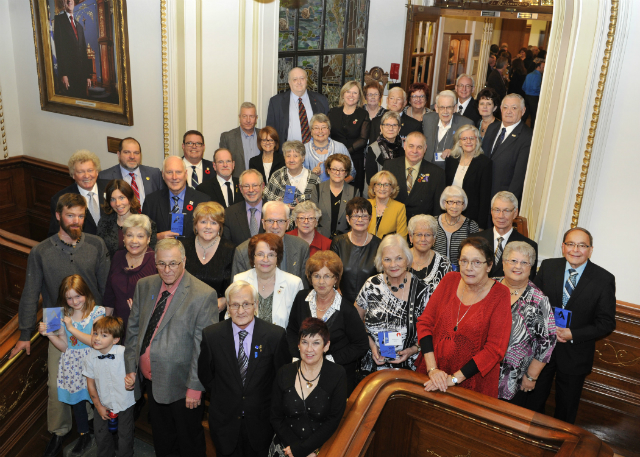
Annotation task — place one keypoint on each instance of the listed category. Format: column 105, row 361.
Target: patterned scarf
column 391, row 150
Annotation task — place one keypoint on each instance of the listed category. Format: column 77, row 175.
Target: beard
column 74, row 232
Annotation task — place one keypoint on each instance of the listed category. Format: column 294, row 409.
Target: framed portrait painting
column 82, row 54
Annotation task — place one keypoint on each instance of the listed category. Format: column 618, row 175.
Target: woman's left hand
column 527, row 386
column 287, row 451
column 130, row 303
column 67, row 321
column 403, row 355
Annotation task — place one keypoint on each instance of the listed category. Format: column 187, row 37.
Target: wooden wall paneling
column 513, row 33
column 14, row 252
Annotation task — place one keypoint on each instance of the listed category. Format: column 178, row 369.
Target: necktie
column 73, row 25
column 107, row 356
column 93, row 207
column 499, row 140
column 304, row 122
column 229, row 194
column 253, row 222
column 176, row 207
column 194, row 177
column 499, row 250
column 460, row 108
column 134, row 186
column 154, row 321
column 409, row 179
column 243, row 360
column 569, row 286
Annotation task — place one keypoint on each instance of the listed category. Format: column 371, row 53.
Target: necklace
column 309, row 382
column 318, row 149
column 204, row 250
column 268, row 279
column 401, row 286
column 515, row 291
column 133, row 259
column 455, row 329
column 326, row 307
column 446, row 217
column 366, row 240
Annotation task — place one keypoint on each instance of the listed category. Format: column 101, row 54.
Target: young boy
column 105, row 373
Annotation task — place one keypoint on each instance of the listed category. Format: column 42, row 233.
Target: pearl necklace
column 204, row 250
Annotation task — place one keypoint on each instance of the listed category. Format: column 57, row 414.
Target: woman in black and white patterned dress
column 428, row 264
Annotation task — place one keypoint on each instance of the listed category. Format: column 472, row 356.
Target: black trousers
column 106, row 441
column 358, row 181
column 177, row 430
column 244, row 448
column 532, row 101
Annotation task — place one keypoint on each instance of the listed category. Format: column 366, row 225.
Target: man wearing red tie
column 71, row 52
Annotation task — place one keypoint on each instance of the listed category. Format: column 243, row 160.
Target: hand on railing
column 21, row 345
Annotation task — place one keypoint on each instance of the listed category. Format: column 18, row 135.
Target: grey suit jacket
column 232, row 140
column 176, row 345
column 321, row 196
column 294, row 260
column 430, row 130
column 151, row 177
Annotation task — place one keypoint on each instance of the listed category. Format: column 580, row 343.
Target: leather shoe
column 54, row 446
column 83, row 444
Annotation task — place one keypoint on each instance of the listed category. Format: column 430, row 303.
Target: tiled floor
column 140, row 449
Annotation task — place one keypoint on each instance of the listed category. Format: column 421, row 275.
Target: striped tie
column 498, row 252
column 409, row 179
column 194, row 177
column 569, row 286
column 176, row 207
column 243, row 360
column 134, row 186
column 253, row 222
column 304, row 122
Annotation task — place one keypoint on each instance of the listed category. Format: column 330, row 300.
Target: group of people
column 266, row 278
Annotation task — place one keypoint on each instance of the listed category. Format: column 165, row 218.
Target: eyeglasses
column 191, row 143
column 277, row 221
column 306, row 219
column 515, row 263
column 418, row 97
column 580, row 246
column 373, row 95
column 359, row 217
column 446, row 108
column 506, row 212
column 236, row 306
column 419, row 236
column 319, row 129
column 163, row 266
column 473, row 263
column 465, row 86
column 391, row 126
column 468, row 138
column 385, row 185
column 265, row 255
column 338, row 170
column 454, row 202
column 317, row 277
column 268, row 140
column 250, row 186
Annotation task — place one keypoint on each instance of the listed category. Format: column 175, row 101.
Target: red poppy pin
column 207, row 172
column 190, row 206
column 423, row 178
column 355, row 122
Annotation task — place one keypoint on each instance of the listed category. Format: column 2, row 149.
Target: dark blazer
column 256, row 164
column 496, row 82
column 108, row 231
column 471, row 112
column 151, row 177
column 278, row 111
column 232, row 140
column 407, row 126
column 321, row 196
column 593, row 304
column 425, row 196
column 71, row 56
column 218, row 372
column 90, row 225
column 476, row 184
column 212, row 188
column 158, row 208
column 236, row 224
column 498, row 270
column 207, row 170
column 430, row 123
column 509, row 158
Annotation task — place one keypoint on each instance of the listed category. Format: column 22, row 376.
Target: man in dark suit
column 504, row 210
column 84, row 167
column 427, row 180
column 132, row 171
column 575, row 284
column 467, row 105
column 396, row 101
column 290, row 112
column 165, row 205
column 243, row 220
column 169, row 312
column 242, row 141
column 198, row 169
column 225, row 188
column 508, row 145
column 439, row 128
column 74, row 71
column 239, row 360
column 495, row 79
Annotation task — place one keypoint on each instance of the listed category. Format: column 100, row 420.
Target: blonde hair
column 213, row 210
column 377, row 177
column 348, row 85
column 82, row 156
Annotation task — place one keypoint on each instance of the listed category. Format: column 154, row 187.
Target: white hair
column 394, row 239
column 164, row 162
column 506, row 196
column 404, row 94
column 423, row 219
column 464, row 75
column 518, row 96
column 305, row 207
column 454, row 191
column 522, row 248
column 447, row 93
column 236, row 287
column 272, row 205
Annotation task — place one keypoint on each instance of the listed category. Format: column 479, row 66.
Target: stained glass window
column 328, row 38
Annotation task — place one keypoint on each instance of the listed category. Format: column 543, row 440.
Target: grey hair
column 454, row 191
column 294, row 145
column 507, row 196
column 322, row 118
column 252, row 171
column 237, row 286
column 457, row 148
column 82, row 156
column 164, row 162
column 514, row 95
column 272, row 204
column 423, row 219
column 305, row 207
column 447, row 93
column 246, row 105
column 387, row 115
column 522, row 248
column 137, row 220
column 168, row 244
column 396, row 89
column 464, row 75
column 394, row 239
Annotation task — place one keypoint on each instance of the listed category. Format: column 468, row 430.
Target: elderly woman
column 306, row 216
column 357, row 249
column 293, row 177
column 119, row 204
column 467, row 167
column 348, row 338
column 387, row 146
column 350, row 125
column 390, row 304
column 332, row 196
column 270, row 159
column 389, row 215
column 316, row 382
column 129, row 265
column 453, row 227
column 427, row 265
column 417, row 97
column 464, row 332
column 488, row 103
column 276, row 288
column 209, row 255
column 373, row 96
column 533, row 327
column 321, row 147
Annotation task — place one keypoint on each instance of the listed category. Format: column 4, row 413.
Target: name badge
column 562, row 317
column 438, row 157
column 388, row 341
column 177, row 222
column 289, row 195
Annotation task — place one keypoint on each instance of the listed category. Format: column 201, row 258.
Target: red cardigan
column 483, row 334
column 319, row 243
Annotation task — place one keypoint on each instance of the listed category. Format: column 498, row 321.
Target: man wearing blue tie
column 583, row 298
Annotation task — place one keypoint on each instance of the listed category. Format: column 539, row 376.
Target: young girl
column 80, row 312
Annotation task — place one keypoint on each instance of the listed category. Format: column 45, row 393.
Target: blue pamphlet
column 386, row 350
column 289, row 195
column 52, row 317
column 562, row 316
column 177, row 222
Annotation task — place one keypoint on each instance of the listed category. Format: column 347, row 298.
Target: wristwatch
column 454, row 380
column 530, row 378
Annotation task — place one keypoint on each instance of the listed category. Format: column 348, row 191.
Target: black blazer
column 256, row 164
column 71, row 55
column 407, row 126
column 212, row 188
column 498, row 270
column 158, row 208
column 151, row 177
column 207, row 170
column 218, row 372
column 476, row 184
column 236, row 224
column 90, row 225
column 509, row 158
column 425, row 196
column 471, row 112
column 593, row 304
column 496, row 82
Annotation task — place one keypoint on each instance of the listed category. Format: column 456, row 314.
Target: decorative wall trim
column 165, row 77
column 3, row 132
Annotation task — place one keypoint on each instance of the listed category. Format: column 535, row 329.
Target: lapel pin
column 147, row 178
column 260, row 348
column 152, row 297
column 295, row 263
column 513, row 135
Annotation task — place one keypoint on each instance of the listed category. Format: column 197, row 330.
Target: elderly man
column 396, row 101
column 84, row 167
column 225, row 188
column 587, row 292
column 68, row 252
column 238, row 363
column 242, row 141
column 171, row 207
column 467, row 105
column 531, row 88
column 74, row 68
column 508, row 144
column 243, row 219
column 168, row 314
column 421, row 183
column 504, row 210
column 142, row 179
column 290, row 112
column 495, row 79
column 275, row 219
column 198, row 169
column 440, row 127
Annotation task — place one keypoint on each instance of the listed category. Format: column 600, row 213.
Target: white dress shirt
column 223, row 186
column 463, row 104
column 505, row 238
column 295, row 132
column 299, row 181
column 96, row 200
column 507, row 133
column 126, row 177
column 443, row 130
column 108, row 375
column 188, row 166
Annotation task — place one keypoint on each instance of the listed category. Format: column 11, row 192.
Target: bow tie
column 107, row 356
